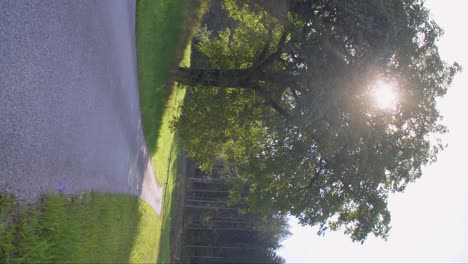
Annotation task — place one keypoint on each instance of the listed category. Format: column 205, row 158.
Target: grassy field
column 96, row 227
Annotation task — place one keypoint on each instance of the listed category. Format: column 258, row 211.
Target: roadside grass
column 158, row 31
column 168, row 171
column 92, row 227
column 164, row 29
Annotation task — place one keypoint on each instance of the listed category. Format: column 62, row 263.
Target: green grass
column 163, row 32
column 158, row 31
column 167, row 168
column 94, row 227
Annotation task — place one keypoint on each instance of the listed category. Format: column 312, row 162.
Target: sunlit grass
column 167, row 167
column 91, row 228
column 163, row 31
column 145, row 247
column 158, row 31
column 160, row 103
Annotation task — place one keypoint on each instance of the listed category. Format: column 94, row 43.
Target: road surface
column 69, row 105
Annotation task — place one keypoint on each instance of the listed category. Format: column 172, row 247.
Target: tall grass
column 93, row 227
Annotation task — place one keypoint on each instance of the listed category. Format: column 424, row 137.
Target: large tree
column 284, row 97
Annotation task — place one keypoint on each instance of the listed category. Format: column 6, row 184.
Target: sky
column 430, row 219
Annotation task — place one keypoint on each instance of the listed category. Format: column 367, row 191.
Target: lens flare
column 385, row 95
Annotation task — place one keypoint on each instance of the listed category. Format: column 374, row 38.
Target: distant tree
column 215, row 232
column 284, row 99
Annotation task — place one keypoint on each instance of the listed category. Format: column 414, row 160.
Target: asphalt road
column 69, row 105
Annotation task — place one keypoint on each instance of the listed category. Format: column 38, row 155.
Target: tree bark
column 227, row 78
column 236, row 78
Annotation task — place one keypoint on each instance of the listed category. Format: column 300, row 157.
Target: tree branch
column 269, row 101
column 317, row 170
column 264, row 51
column 274, row 55
column 231, row 78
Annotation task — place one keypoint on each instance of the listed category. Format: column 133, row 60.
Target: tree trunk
column 278, row 9
column 238, row 78
column 226, row 78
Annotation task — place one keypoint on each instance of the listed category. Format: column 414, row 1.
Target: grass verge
column 158, row 31
column 163, row 32
column 92, row 227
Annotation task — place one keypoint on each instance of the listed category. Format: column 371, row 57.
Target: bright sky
column 429, row 220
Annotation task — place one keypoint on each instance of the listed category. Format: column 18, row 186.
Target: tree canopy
column 283, row 95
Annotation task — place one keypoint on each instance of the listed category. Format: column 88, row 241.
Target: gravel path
column 69, row 105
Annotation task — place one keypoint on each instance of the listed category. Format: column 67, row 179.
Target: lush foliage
column 285, row 99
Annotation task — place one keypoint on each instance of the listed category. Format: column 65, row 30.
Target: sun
column 385, row 95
